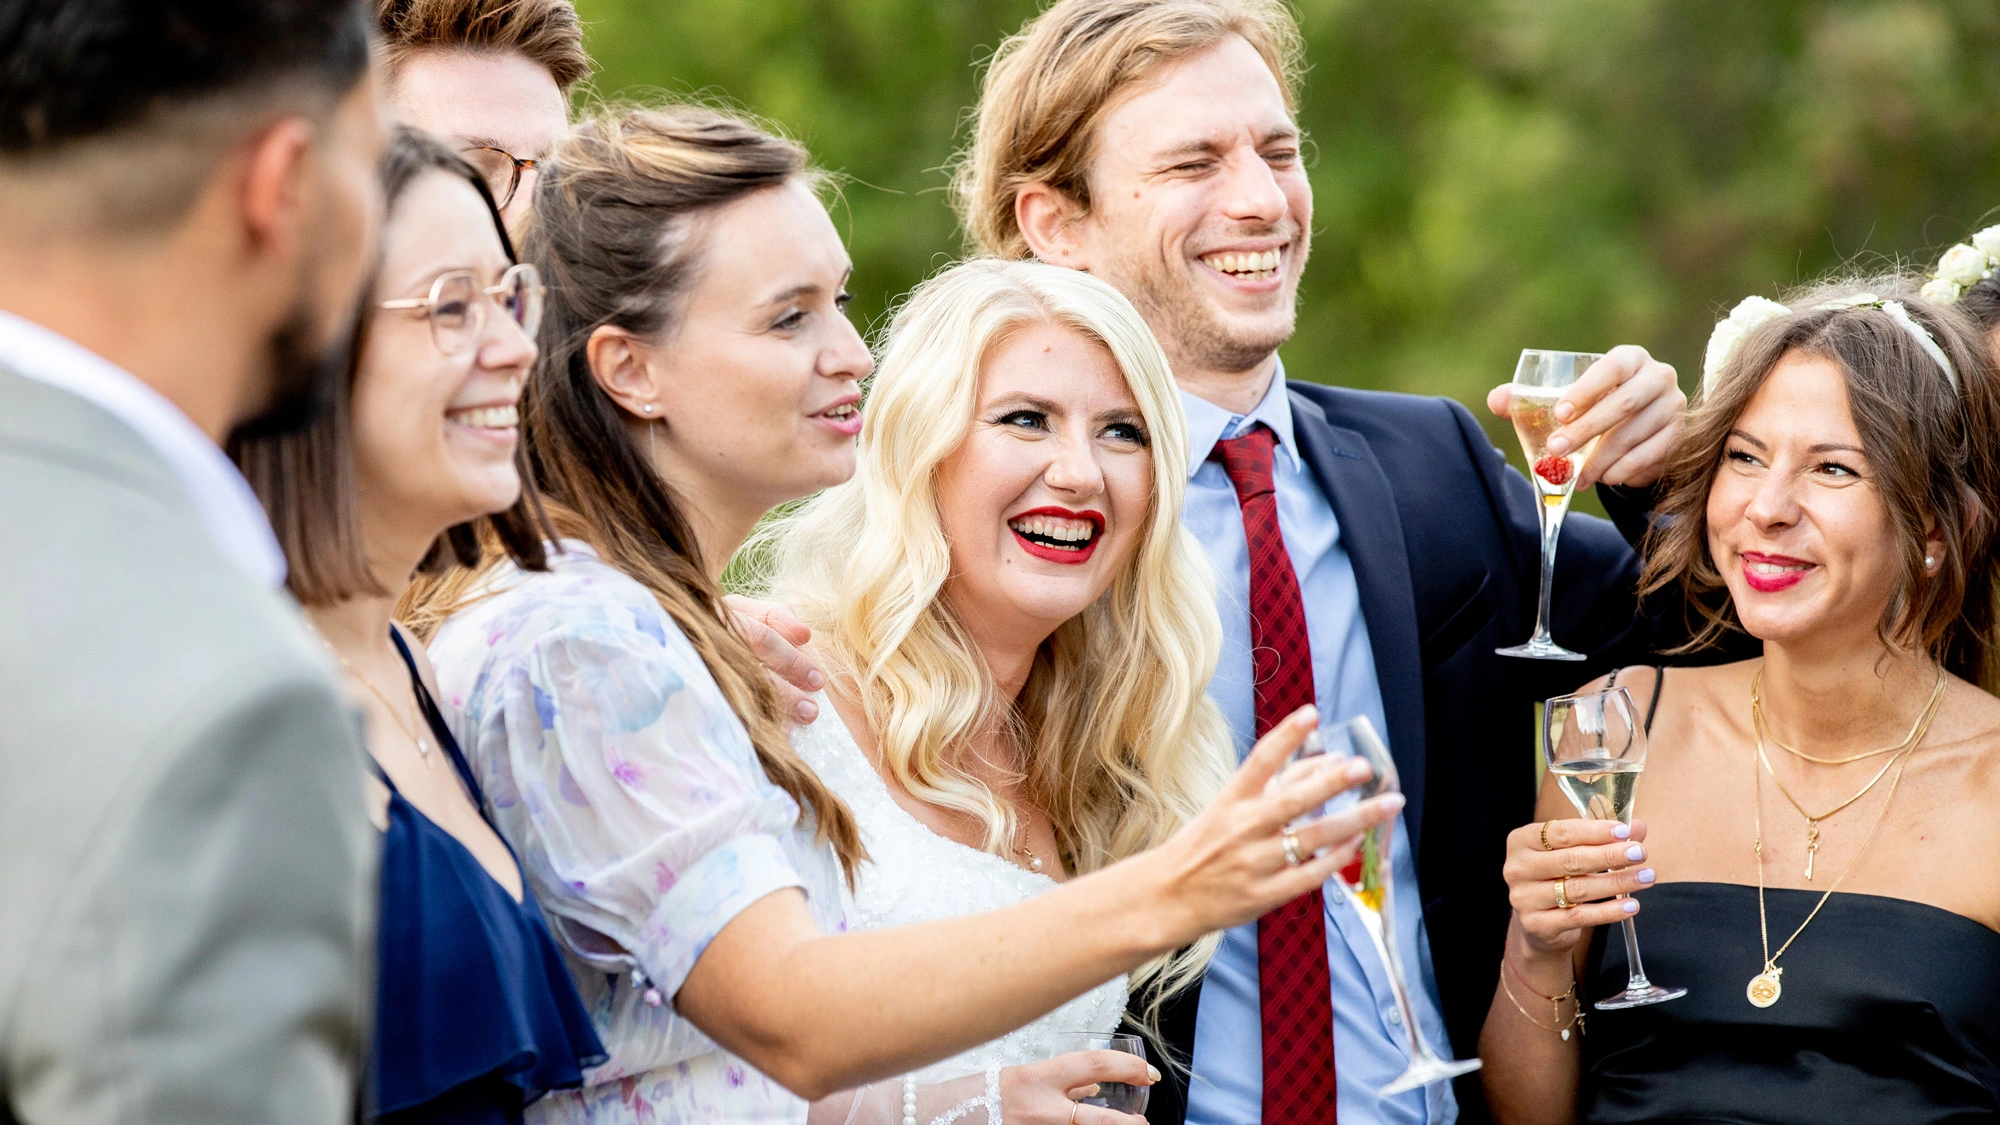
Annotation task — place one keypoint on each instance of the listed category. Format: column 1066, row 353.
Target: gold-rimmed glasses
column 500, row 169
column 456, row 305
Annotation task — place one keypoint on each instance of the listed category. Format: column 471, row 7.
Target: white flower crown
column 1964, row 266
column 1754, row 311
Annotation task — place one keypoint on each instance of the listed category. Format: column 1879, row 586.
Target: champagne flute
column 1539, row 380
column 1121, row 1096
column 1369, row 882
column 1596, row 752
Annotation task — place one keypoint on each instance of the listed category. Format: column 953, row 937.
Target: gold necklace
column 1812, row 819
column 423, row 747
column 1916, row 728
column 1765, row 988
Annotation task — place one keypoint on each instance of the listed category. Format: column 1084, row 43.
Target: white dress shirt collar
column 1209, row 423
column 221, row 498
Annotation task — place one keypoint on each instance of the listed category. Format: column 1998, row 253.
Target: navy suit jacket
column 1447, row 555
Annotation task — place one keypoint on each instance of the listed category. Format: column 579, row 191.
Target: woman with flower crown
column 1814, row 862
column 1968, row 275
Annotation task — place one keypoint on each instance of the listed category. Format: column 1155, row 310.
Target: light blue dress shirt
column 1226, row 1087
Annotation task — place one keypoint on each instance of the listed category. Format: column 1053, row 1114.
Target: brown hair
column 546, row 31
column 305, row 478
column 616, row 233
column 1935, row 454
column 1051, row 82
column 1981, row 301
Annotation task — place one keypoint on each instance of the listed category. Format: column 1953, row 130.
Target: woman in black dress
column 1816, row 854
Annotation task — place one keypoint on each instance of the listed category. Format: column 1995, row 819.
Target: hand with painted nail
column 1633, row 401
column 1563, row 877
column 1046, row 1093
column 779, row 639
column 1233, row 863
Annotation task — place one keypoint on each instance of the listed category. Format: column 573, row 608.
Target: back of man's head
column 131, row 102
column 1050, row 83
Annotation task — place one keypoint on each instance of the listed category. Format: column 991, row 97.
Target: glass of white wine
column 1539, row 381
column 1596, row 751
column 1369, row 883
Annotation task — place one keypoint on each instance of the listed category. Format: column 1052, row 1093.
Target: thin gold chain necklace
column 1916, row 728
column 1765, row 988
column 423, row 747
column 1813, row 819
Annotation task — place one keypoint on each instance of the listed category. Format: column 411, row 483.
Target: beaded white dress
column 916, row 875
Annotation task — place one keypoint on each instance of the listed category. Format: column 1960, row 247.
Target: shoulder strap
column 1659, row 687
column 440, row 730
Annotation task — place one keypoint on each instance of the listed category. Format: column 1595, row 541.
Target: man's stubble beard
column 305, row 375
column 1194, row 337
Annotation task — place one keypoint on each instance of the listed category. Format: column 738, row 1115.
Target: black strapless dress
column 1890, row 1014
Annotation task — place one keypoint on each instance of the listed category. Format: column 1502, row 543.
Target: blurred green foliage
column 1488, row 174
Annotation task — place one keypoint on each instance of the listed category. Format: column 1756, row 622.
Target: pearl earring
column 1929, row 562
column 649, row 408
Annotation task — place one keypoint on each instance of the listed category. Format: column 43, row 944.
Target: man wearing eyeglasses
column 491, row 77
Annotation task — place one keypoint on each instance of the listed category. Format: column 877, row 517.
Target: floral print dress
column 642, row 818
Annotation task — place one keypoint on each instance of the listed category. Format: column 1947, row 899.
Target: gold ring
column 1073, row 1108
column 1562, row 894
column 1545, row 837
column 1291, row 841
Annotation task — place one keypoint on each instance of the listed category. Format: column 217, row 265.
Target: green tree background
column 1488, row 174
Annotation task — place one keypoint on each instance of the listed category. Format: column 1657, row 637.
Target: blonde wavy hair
column 1119, row 742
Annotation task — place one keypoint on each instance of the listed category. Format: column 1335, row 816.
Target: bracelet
column 1555, row 1002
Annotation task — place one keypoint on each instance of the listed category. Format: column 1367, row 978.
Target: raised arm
column 652, row 835
column 823, row 1013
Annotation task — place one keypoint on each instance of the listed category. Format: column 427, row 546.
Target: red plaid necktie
column 1292, row 982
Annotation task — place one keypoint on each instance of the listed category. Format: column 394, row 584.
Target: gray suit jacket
column 186, row 864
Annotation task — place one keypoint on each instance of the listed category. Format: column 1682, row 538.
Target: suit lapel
column 1372, row 533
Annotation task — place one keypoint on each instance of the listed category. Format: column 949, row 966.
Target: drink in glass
column 1596, row 752
column 1121, row 1096
column 1539, row 381
column 1369, row 882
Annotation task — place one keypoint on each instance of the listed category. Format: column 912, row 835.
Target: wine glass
column 1539, row 380
column 1596, row 751
column 1368, row 882
column 1124, row 1097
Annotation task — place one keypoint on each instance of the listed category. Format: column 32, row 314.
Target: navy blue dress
column 476, row 1014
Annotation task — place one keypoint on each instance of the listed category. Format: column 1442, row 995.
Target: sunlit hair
column 1050, row 83
column 616, row 231
column 1934, row 452
column 546, row 32
column 1121, row 746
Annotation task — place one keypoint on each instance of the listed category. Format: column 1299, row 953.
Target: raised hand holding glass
column 1596, row 750
column 1539, row 380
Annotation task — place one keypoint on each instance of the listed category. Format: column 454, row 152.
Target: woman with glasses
column 416, row 466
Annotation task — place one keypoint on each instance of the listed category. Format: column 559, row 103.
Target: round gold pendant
column 1764, row 988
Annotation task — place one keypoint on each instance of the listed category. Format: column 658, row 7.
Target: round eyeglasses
column 457, row 306
column 500, row 169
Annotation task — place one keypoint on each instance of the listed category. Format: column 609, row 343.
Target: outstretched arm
column 822, row 1013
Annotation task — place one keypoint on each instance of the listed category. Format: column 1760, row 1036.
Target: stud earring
column 1929, row 562
column 649, row 408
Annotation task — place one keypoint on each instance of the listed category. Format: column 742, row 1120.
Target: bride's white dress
column 916, row 875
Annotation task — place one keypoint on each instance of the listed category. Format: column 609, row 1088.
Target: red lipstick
column 1767, row 583
column 1070, row 555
